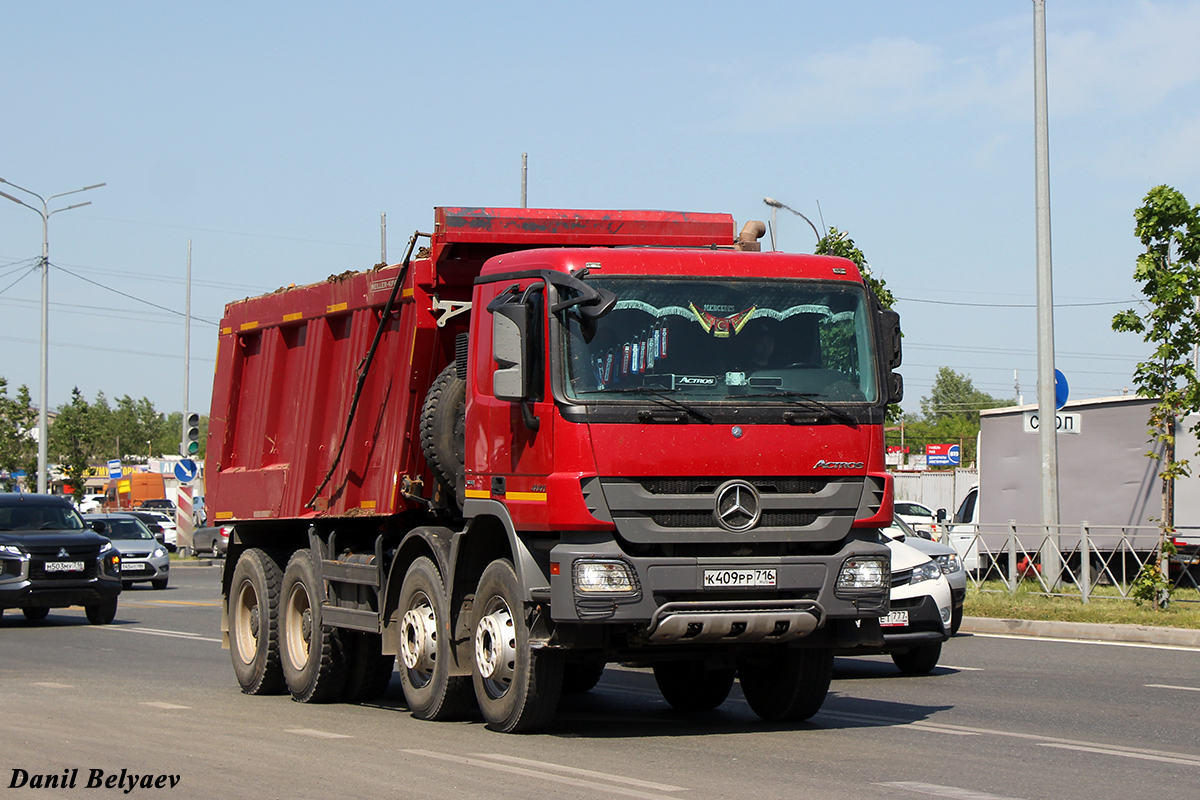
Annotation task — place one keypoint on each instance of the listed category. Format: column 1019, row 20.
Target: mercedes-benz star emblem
column 738, row 507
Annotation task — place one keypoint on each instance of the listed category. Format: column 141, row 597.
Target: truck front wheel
column 313, row 657
column 517, row 688
column 787, row 685
column 253, row 628
column 431, row 692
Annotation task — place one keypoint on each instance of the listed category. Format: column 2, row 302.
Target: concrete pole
column 1047, row 429
column 187, row 348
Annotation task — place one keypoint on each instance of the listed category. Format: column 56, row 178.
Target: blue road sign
column 114, row 469
column 185, row 470
column 1061, row 390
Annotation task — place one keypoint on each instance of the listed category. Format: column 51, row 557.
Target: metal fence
column 1073, row 561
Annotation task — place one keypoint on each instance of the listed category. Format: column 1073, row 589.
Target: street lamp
column 775, row 206
column 45, row 214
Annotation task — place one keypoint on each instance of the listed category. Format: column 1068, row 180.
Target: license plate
column 64, row 566
column 127, row 567
column 721, row 578
column 895, row 619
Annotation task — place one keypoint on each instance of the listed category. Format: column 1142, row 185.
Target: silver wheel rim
column 418, row 640
column 496, row 648
column 299, row 626
column 246, row 621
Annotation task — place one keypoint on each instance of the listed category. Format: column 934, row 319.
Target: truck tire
column 581, row 676
column 429, row 689
column 101, row 613
column 517, row 687
column 688, row 686
column 918, row 660
column 311, row 653
column 36, row 613
column 253, row 623
column 788, row 685
column 443, row 426
column 368, row 671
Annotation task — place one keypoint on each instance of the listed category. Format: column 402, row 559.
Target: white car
column 917, row 515
column 920, row 614
column 946, row 557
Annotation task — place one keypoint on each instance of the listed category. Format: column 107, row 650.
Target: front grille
column 902, row 578
column 700, row 519
column 776, row 485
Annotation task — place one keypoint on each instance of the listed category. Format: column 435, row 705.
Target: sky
column 272, row 136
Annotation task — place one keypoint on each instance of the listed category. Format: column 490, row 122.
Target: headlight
column 104, row 548
column 949, row 563
column 928, row 571
column 608, row 577
column 11, row 550
column 863, row 573
column 159, row 552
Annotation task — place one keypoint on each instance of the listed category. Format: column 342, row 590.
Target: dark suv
column 49, row 558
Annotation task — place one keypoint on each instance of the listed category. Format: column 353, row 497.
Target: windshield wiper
column 806, row 398
column 660, row 394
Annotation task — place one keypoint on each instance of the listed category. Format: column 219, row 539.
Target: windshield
column 29, row 517
column 717, row 340
column 126, row 529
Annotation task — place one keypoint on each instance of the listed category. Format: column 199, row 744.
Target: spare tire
column 443, row 429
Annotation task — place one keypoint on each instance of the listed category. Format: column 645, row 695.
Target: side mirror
column 889, row 337
column 98, row 526
column 510, row 337
column 941, row 515
column 895, row 387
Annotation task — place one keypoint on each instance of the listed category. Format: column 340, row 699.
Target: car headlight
column 159, row 552
column 607, row 577
column 11, row 550
column 949, row 563
column 929, row 571
column 863, row 573
column 104, row 548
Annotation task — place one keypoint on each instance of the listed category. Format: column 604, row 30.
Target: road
column 1003, row 717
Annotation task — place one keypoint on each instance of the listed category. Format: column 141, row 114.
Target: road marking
column 1139, row 645
column 49, row 685
column 1169, row 686
column 317, row 734
column 1050, row 741
column 945, row 791
column 192, row 637
column 541, row 775
column 1191, row 761
column 164, row 706
column 960, row 669
column 212, row 604
column 661, row 787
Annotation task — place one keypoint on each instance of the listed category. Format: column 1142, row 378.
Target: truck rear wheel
column 431, row 692
column 253, row 623
column 368, row 671
column 788, row 685
column 517, row 688
column 443, row 427
column 688, row 686
column 311, row 653
column 581, row 676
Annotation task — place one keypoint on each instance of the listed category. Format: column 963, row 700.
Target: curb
column 1084, row 631
column 192, row 562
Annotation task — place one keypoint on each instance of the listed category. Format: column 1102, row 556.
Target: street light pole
column 775, row 205
column 45, row 214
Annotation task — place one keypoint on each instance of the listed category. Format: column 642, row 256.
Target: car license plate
column 721, row 578
column 895, row 619
column 128, row 567
column 64, row 566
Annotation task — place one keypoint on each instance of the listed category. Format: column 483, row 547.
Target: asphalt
column 1080, row 631
column 1084, row 631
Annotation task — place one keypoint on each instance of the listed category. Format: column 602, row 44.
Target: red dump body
column 287, row 362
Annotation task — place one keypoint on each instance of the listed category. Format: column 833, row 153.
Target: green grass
column 993, row 600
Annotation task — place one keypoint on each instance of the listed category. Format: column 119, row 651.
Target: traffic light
column 191, row 435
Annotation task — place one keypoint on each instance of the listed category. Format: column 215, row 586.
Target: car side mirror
column 941, row 515
column 98, row 526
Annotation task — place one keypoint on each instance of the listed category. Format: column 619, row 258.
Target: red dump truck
column 551, row 440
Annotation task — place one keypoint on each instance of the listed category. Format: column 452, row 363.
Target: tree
column 74, row 440
column 949, row 414
column 1169, row 271
column 18, row 450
